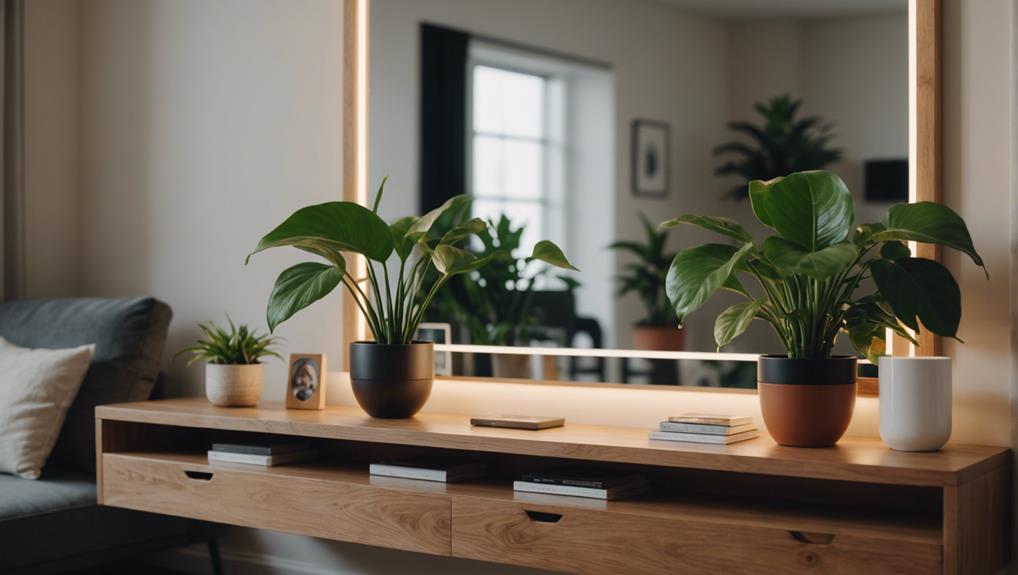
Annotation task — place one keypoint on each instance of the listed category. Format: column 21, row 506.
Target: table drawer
column 594, row 542
column 256, row 497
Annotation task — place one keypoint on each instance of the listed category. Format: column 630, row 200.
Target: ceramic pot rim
column 782, row 370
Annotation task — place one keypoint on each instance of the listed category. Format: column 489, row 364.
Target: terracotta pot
column 658, row 338
column 392, row 381
column 806, row 402
column 234, row 385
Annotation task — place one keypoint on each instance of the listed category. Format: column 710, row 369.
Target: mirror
column 588, row 122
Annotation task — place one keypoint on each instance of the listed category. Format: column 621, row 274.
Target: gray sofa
column 53, row 524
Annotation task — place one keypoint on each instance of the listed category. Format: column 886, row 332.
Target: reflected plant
column 808, row 272
column 646, row 276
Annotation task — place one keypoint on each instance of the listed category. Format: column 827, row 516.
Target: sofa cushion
column 128, row 333
column 59, row 490
column 36, row 388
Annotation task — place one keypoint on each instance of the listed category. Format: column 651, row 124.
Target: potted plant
column 808, row 275
column 234, row 374
column 781, row 145
column 391, row 376
column 646, row 278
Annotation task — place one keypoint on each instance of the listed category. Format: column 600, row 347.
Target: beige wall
column 52, row 191
column 203, row 123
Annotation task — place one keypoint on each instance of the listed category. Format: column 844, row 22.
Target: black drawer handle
column 812, row 538
column 199, row 475
column 543, row 516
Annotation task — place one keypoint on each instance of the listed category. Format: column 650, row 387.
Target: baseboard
column 195, row 560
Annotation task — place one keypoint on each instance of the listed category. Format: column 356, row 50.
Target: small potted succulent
column 806, row 280
column 234, row 373
column 392, row 375
column 646, row 278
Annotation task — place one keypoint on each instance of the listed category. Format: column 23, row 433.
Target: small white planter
column 915, row 402
column 234, row 385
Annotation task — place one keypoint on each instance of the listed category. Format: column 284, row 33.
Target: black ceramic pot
column 392, row 381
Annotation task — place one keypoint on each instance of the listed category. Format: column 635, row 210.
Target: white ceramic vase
column 915, row 402
column 234, row 385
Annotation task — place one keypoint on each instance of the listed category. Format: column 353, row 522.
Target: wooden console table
column 744, row 508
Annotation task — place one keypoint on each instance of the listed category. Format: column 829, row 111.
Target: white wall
column 204, row 123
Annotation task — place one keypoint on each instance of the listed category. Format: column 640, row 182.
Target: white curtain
column 12, row 174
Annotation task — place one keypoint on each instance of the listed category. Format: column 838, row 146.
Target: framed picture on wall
column 650, row 158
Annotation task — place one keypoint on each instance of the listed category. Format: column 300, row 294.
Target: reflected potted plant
column 494, row 303
column 646, row 278
column 808, row 275
column 234, row 372
column 392, row 375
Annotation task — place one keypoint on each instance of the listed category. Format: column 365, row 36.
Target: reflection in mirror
column 588, row 122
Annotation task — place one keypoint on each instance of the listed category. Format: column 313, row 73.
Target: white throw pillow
column 36, row 388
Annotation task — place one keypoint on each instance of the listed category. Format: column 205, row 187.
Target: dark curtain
column 12, row 197
column 443, row 148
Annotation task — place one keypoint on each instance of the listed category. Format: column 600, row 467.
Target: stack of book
column 266, row 453
column 443, row 469
column 583, row 482
column 706, row 428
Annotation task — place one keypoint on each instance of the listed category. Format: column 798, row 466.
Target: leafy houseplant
column 783, row 144
column 808, row 275
column 646, row 278
column 391, row 376
column 233, row 370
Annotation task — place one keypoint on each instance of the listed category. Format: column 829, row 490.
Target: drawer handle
column 543, row 516
column 199, row 475
column 812, row 538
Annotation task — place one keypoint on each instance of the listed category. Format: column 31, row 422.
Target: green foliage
column 809, row 271
column 493, row 301
column 392, row 306
column 781, row 145
column 646, row 276
column 233, row 346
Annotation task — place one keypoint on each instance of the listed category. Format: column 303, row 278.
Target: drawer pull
column 812, row 538
column 199, row 475
column 543, row 516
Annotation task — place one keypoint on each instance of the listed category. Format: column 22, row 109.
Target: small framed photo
column 437, row 333
column 650, row 157
column 305, row 381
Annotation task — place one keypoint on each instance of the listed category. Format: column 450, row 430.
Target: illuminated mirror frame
column 924, row 126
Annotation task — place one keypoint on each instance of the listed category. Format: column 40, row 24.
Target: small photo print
column 650, row 156
column 305, row 382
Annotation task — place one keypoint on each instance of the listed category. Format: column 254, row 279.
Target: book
column 610, row 493
column 265, row 460
column 443, row 469
column 593, row 478
column 262, row 448
column 712, row 419
column 704, row 438
column 518, row 421
column 706, row 428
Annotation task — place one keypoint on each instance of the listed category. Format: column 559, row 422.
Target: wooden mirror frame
column 924, row 126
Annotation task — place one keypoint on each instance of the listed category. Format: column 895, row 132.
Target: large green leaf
column 329, row 228
column 928, row 222
column 811, row 209
column 403, row 245
column 464, row 230
column 867, row 321
column 547, row 252
column 450, row 260
column 735, row 320
column 791, row 259
column 723, row 226
column 298, row 287
column 920, row 288
column 697, row 273
column 423, row 225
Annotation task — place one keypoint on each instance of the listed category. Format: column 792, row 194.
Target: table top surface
column 853, row 459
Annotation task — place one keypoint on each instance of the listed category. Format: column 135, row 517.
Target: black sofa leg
column 217, row 562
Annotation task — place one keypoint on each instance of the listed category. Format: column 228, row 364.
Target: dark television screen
column 886, row 180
